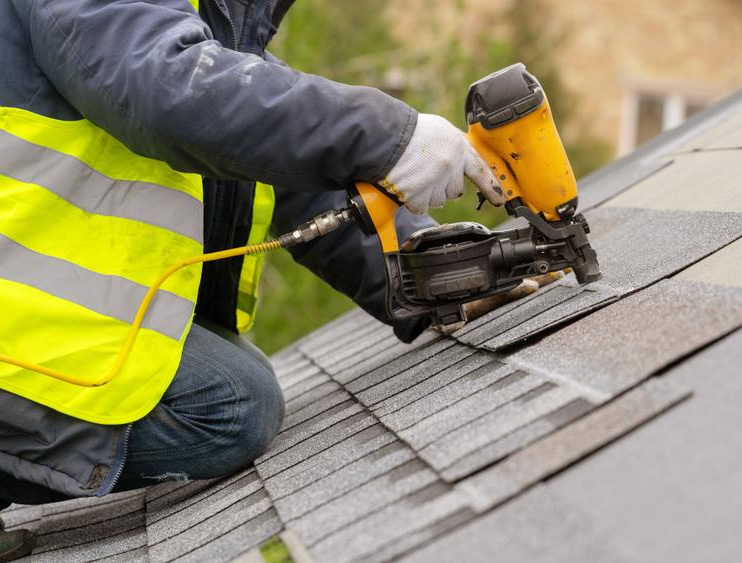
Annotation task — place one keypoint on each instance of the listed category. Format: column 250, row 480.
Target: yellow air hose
column 318, row 226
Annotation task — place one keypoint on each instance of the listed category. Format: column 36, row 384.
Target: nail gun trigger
column 481, row 201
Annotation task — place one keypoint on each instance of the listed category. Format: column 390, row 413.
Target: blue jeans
column 221, row 411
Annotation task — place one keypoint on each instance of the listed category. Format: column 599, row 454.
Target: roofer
column 131, row 133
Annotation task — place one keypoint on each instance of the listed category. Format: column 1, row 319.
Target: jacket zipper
column 124, row 452
column 225, row 15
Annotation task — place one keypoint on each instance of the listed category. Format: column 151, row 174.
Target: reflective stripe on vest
column 86, row 226
column 247, row 297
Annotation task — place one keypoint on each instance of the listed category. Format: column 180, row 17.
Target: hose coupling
column 316, row 227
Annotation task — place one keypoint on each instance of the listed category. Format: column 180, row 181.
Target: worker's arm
column 151, row 75
column 347, row 259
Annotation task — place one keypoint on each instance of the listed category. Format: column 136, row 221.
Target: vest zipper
column 225, row 15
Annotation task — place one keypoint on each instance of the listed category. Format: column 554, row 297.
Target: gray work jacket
column 202, row 95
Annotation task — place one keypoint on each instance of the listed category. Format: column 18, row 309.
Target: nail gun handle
column 376, row 212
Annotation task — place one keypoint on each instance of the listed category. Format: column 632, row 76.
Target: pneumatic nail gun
column 439, row 269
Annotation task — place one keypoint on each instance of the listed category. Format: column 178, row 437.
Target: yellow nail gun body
column 439, row 269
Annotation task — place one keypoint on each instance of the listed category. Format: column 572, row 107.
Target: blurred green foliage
column 275, row 551
column 351, row 42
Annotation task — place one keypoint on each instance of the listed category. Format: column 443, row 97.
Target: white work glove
column 431, row 170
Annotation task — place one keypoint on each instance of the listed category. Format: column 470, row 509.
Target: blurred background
column 617, row 73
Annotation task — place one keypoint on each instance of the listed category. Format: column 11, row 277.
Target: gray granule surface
column 237, row 541
column 642, row 246
column 435, row 401
column 313, row 396
column 347, row 342
column 636, row 247
column 110, row 543
column 515, row 440
column 370, row 396
column 448, row 377
column 345, row 351
column 620, row 345
column 289, row 377
column 86, row 515
column 121, row 532
column 304, row 386
column 536, row 527
column 352, row 321
column 464, row 334
column 395, row 365
column 190, row 514
column 295, row 416
column 365, row 499
column 382, row 358
column 414, row 512
column 344, row 480
column 193, row 532
column 313, row 426
column 473, row 407
column 608, row 186
column 495, row 425
column 519, row 313
column 293, row 477
column 314, row 445
column 185, row 498
column 580, row 304
column 361, row 353
column 497, row 484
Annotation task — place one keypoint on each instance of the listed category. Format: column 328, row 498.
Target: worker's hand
column 431, row 170
column 481, row 307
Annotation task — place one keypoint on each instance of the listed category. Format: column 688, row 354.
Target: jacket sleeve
column 150, row 73
column 347, row 259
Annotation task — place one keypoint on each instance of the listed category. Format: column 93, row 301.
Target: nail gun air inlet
column 316, row 227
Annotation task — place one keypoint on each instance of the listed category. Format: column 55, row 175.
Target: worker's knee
column 259, row 414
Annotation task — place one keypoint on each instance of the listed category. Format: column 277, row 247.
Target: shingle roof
column 581, row 423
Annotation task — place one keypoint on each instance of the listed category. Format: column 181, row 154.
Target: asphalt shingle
column 536, row 403
column 675, row 482
column 721, row 268
column 227, row 527
column 687, row 185
column 294, row 477
column 343, row 480
column 270, row 464
column 85, row 529
column 387, row 532
column 180, row 517
column 394, row 363
column 537, row 527
column 615, row 348
column 390, row 386
column 519, row 471
column 365, row 499
column 442, row 389
column 501, row 392
column 313, row 426
column 395, row 350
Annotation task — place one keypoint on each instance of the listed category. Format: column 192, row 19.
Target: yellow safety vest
column 247, row 297
column 86, row 226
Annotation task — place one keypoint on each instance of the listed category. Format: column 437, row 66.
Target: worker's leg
column 220, row 413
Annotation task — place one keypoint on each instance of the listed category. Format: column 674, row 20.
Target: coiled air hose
column 315, row 227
